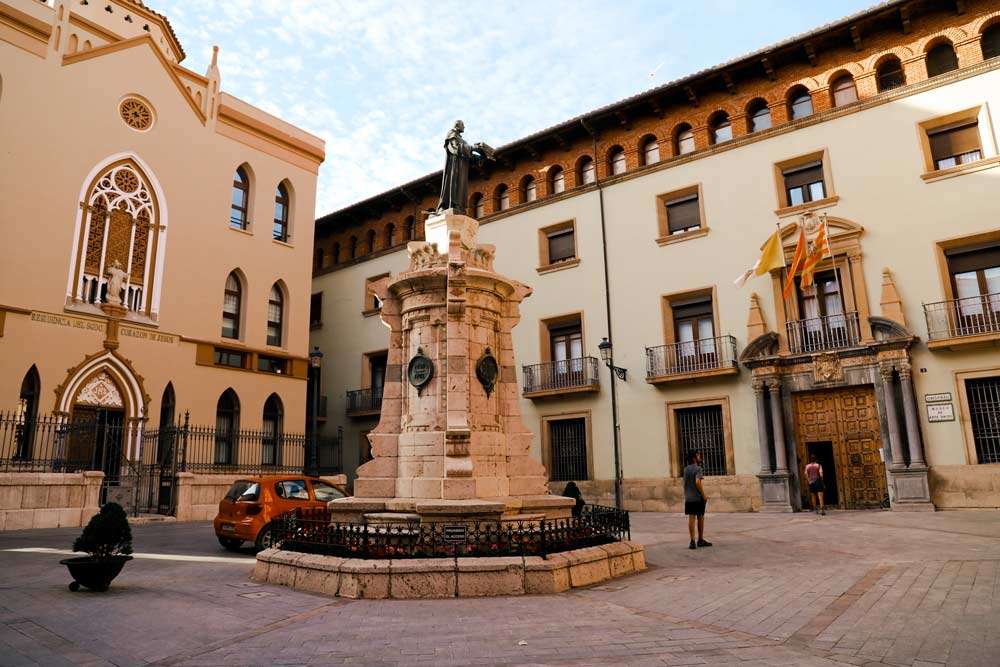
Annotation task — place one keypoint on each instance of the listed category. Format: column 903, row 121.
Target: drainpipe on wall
column 616, row 426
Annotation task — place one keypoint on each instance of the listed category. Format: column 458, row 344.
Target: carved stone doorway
column 848, row 420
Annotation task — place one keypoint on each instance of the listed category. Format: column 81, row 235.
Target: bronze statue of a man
column 459, row 155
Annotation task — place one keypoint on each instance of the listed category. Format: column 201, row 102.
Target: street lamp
column 315, row 363
column 608, row 358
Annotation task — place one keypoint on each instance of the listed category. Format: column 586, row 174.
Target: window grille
column 984, row 413
column 568, row 447
column 702, row 429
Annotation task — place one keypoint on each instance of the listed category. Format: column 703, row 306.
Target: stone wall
column 965, row 486
column 726, row 493
column 48, row 500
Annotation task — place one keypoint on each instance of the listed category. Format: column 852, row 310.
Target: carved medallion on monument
column 487, row 371
column 420, row 370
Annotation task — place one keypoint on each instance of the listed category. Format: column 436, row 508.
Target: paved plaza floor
column 850, row 588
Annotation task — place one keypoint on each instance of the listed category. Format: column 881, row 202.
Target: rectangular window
column 984, row 415
column 372, row 303
column 694, row 331
column 804, row 183
column 316, row 311
column 975, row 278
column 683, row 214
column 566, row 342
column 562, row 245
column 275, row 365
column 568, row 449
column 703, row 429
column 955, row 144
column 230, row 358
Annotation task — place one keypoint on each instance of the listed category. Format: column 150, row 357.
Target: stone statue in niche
column 459, row 156
column 116, row 281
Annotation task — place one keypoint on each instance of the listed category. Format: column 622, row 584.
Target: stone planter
column 94, row 573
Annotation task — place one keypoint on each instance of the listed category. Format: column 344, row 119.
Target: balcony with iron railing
column 820, row 334
column 690, row 360
column 555, row 378
column 963, row 323
column 364, row 402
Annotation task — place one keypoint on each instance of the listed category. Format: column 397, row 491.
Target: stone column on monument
column 778, row 424
column 763, row 443
column 912, row 420
column 892, row 416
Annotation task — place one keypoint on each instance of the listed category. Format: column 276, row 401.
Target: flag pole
column 836, row 271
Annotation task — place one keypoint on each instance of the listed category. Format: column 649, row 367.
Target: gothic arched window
column 232, row 304
column 274, row 414
column 281, row 213
column 239, row 206
column 275, row 315
column 227, row 427
column 120, row 233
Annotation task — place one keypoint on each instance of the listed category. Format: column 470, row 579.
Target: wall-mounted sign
column 487, row 371
column 943, row 397
column 455, row 533
column 940, row 412
column 420, row 370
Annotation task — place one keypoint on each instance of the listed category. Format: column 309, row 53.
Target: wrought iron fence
column 830, row 332
column 360, row 401
column 54, row 443
column 565, row 374
column 969, row 316
column 311, row 531
column 221, row 450
column 693, row 356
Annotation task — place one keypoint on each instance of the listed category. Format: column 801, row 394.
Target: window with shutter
column 804, row 183
column 562, row 245
column 683, row 214
column 955, row 144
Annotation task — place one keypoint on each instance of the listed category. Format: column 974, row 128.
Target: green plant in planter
column 107, row 534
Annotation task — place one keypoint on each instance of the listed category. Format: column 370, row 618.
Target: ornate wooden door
column 848, row 418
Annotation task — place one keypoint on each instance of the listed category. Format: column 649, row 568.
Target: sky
column 382, row 82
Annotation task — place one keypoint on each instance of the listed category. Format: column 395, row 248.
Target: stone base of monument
column 436, row 510
column 410, row 578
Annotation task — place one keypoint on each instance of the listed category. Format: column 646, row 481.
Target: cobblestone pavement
column 858, row 588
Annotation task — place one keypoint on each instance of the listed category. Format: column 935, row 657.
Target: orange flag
column 800, row 253
column 821, row 249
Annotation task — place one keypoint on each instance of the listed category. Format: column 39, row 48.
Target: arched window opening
column 759, row 115
column 586, row 173
column 616, row 161
column 683, row 139
column 478, row 205
column 241, row 199
column 275, row 315
column 272, row 424
column 800, row 104
column 501, row 198
column 409, row 228
column 166, row 434
column 889, row 75
column 557, row 180
column 941, row 60
column 529, row 189
column 281, row 213
column 318, row 260
column 722, row 129
column 232, row 304
column 352, row 248
column 27, row 414
column 844, row 91
column 650, row 150
column 335, row 254
column 390, row 235
column 120, row 230
column 991, row 42
column 370, row 244
column 227, row 427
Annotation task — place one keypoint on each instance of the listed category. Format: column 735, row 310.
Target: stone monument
column 450, row 444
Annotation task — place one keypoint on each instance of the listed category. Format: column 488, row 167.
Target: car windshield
column 324, row 492
column 237, row 489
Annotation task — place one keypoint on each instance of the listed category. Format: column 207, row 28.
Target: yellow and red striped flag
column 820, row 249
column 797, row 259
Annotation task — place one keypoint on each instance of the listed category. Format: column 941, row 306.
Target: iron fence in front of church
column 312, row 531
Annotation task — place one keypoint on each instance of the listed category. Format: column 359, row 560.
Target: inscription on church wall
column 155, row 336
column 64, row 321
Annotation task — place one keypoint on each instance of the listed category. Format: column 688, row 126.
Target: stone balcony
column 963, row 323
column 691, row 360
column 557, row 378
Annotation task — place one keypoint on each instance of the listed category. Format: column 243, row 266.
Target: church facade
column 159, row 233
column 631, row 223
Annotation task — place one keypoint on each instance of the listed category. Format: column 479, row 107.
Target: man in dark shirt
column 695, row 499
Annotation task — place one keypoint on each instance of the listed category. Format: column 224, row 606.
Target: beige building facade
column 159, row 234
column 632, row 222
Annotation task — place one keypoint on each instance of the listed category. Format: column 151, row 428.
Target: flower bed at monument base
column 410, row 578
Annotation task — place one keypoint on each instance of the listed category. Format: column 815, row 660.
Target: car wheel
column 264, row 538
column 230, row 543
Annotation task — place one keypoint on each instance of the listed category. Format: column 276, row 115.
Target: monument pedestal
column 912, row 492
column 775, row 491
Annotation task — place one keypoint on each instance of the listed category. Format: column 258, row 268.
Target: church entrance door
column 841, row 428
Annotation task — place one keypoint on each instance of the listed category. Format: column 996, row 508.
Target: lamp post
column 315, row 363
column 616, row 371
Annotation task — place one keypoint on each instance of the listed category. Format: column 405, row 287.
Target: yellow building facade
column 159, row 234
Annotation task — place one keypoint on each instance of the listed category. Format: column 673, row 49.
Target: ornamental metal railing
column 555, row 375
column 693, row 356
column 360, row 401
column 817, row 334
column 957, row 318
column 311, row 531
